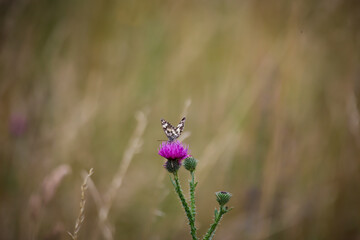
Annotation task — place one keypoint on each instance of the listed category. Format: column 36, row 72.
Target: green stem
column 185, row 206
column 192, row 195
column 210, row 233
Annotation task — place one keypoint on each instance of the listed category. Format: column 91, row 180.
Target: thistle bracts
column 172, row 166
column 223, row 197
column 190, row 164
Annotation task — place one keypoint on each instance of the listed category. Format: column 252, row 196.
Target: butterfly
column 173, row 132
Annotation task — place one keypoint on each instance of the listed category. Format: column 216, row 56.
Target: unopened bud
column 223, row 197
column 190, row 164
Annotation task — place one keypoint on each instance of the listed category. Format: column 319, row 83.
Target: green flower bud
column 190, row 164
column 223, row 197
column 172, row 166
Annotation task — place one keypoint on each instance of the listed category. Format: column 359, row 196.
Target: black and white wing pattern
column 173, row 132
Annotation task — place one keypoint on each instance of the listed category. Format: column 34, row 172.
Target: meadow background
column 271, row 94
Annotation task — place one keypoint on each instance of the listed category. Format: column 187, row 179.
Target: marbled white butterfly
column 173, row 132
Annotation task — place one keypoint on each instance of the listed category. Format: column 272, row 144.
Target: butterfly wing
column 180, row 127
column 168, row 130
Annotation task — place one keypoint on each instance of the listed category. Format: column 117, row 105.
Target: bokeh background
column 270, row 90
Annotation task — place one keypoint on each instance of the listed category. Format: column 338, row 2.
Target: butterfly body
column 172, row 132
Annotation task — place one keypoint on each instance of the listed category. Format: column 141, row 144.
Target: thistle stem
column 189, row 215
column 192, row 195
column 210, row 233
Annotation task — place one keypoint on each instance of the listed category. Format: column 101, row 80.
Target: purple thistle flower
column 173, row 151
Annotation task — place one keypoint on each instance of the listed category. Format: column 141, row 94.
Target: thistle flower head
column 173, row 151
column 223, row 197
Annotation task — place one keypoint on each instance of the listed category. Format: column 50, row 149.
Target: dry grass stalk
column 81, row 216
column 41, row 198
column 104, row 204
column 133, row 148
column 52, row 181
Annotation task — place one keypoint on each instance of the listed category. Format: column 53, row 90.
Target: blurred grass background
column 270, row 90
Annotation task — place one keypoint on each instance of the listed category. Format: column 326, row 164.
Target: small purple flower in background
column 17, row 124
column 174, row 152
